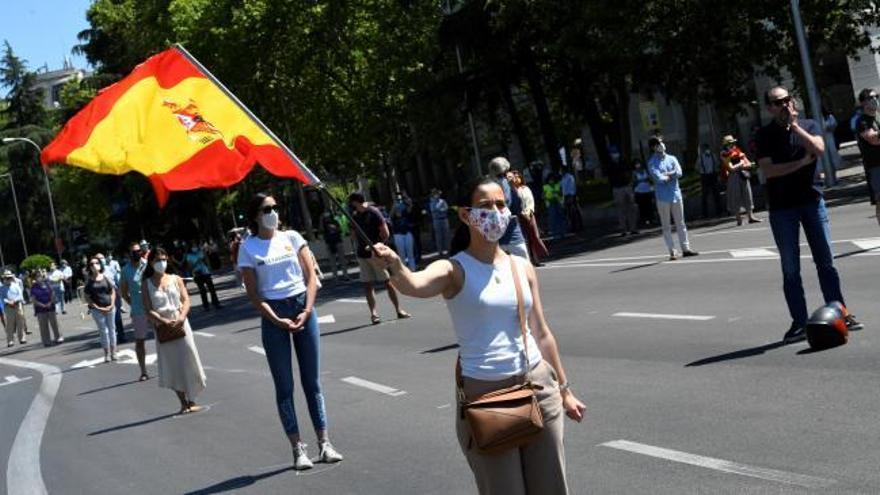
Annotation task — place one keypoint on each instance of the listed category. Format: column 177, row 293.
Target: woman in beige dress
column 167, row 302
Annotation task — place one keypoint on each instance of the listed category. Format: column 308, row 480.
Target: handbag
column 166, row 332
column 507, row 418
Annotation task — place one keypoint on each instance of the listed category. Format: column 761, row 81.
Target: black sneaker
column 852, row 324
column 687, row 253
column 794, row 334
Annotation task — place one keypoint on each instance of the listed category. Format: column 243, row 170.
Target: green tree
column 23, row 102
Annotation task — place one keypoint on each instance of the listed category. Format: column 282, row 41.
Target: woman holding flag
column 279, row 276
column 500, row 347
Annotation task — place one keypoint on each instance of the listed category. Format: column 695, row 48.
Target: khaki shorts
column 141, row 325
column 370, row 273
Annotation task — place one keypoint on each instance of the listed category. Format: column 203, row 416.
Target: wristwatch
column 564, row 386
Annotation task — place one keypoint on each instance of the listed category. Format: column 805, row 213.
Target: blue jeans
column 276, row 341
column 404, row 243
column 59, row 299
column 786, row 225
column 106, row 328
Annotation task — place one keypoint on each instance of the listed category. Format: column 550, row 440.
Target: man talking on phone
column 788, row 148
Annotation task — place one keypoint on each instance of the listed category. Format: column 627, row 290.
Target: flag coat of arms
column 174, row 122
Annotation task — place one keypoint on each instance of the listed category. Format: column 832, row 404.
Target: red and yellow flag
column 173, row 122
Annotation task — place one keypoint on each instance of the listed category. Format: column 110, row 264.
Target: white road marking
column 12, row 380
column 867, row 244
column 585, row 261
column 752, row 253
column 661, row 316
column 444, row 406
column 128, row 356
column 721, row 465
column 204, row 334
column 257, row 349
column 23, row 472
column 88, row 363
column 326, row 319
column 728, row 232
column 349, row 300
column 375, row 387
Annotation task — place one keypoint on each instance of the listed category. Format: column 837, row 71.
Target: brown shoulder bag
column 166, row 332
column 509, row 417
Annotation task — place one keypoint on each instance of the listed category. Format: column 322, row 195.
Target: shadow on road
column 108, row 387
column 132, row 425
column 636, row 267
column 440, row 349
column 744, row 353
column 239, row 482
column 349, row 329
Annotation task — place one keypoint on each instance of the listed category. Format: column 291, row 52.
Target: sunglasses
column 136, row 252
column 269, row 209
column 785, row 100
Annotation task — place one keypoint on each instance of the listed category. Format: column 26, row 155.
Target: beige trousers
column 46, row 320
column 535, row 469
column 14, row 322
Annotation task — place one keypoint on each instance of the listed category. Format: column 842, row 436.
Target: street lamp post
column 810, row 79
column 48, row 192
column 17, row 213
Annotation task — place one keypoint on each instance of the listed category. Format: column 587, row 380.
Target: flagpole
column 314, row 178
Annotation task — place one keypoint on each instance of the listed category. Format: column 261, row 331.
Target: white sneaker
column 329, row 454
column 301, row 459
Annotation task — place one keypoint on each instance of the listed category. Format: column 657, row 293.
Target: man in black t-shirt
column 373, row 224
column 868, row 132
column 787, row 151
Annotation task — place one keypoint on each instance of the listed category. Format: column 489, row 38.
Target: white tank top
column 485, row 319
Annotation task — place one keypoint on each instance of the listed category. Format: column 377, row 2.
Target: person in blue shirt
column 440, row 221
column 130, row 291
column 12, row 296
column 665, row 171
column 198, row 266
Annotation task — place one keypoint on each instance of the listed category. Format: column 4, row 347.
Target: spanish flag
column 174, row 122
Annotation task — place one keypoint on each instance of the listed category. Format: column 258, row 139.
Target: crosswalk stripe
column 721, row 464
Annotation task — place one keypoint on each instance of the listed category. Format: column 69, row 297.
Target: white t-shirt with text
column 276, row 263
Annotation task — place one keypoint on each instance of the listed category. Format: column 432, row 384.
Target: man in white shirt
column 56, row 280
column 67, row 272
column 569, row 198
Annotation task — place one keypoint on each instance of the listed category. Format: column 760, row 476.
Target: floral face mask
column 492, row 223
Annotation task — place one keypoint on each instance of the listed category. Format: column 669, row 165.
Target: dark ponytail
column 461, row 239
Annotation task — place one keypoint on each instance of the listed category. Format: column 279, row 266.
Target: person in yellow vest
column 553, row 201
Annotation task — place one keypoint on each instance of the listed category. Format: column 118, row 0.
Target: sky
column 44, row 31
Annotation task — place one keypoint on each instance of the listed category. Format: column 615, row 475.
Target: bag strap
column 521, row 311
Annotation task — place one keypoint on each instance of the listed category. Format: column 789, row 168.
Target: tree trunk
column 623, row 119
column 519, row 129
column 692, row 132
column 597, row 131
column 545, row 121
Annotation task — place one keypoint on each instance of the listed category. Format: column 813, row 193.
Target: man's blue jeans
column 306, row 342
column 786, row 225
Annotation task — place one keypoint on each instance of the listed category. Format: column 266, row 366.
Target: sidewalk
column 601, row 227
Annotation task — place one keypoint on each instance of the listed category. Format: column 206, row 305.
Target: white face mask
column 491, row 223
column 269, row 220
column 160, row 266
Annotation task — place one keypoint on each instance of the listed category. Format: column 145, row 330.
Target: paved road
column 706, row 402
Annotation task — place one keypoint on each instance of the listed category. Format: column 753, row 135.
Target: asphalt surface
column 711, row 403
